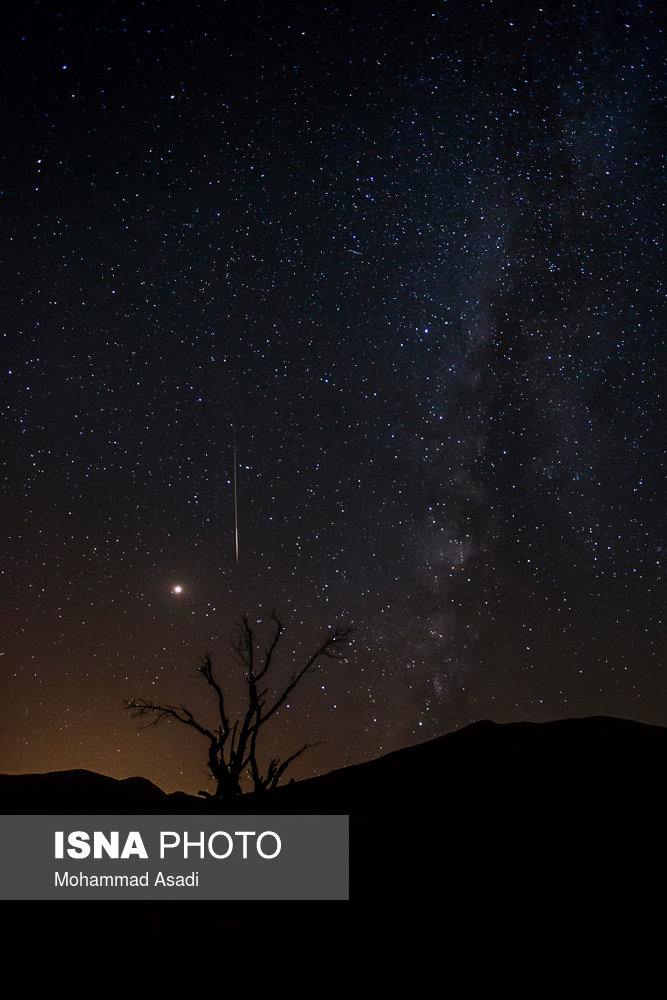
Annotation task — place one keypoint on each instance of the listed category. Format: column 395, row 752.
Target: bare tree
column 232, row 748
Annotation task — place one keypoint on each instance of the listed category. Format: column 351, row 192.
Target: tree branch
column 233, row 748
column 140, row 707
column 339, row 634
column 205, row 668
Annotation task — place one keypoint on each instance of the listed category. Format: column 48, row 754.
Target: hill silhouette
column 86, row 792
column 531, row 823
column 514, row 772
column 573, row 770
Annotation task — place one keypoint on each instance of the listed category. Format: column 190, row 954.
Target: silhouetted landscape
column 566, row 772
column 521, row 821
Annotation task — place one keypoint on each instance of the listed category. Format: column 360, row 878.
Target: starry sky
column 406, row 255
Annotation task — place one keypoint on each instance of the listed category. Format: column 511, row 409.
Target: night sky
column 408, row 255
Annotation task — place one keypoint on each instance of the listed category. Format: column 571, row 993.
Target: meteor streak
column 236, row 507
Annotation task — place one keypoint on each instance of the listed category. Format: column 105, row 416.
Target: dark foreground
column 544, row 834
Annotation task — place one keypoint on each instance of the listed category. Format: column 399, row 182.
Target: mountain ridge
column 611, row 759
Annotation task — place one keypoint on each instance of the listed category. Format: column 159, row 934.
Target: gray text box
column 174, row 857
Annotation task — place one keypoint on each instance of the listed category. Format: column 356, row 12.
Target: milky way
column 396, row 266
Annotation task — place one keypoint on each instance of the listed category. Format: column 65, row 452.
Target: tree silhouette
column 232, row 748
